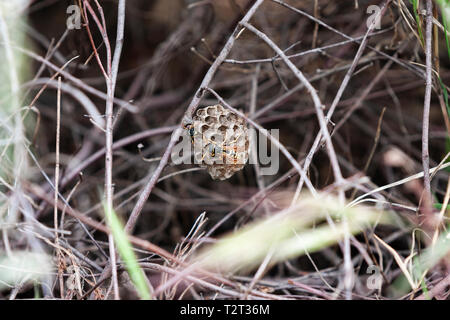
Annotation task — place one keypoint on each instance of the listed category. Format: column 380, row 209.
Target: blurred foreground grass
column 16, row 266
column 301, row 229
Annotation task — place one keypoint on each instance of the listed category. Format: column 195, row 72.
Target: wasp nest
column 220, row 139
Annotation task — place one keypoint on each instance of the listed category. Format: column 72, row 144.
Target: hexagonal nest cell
column 220, row 139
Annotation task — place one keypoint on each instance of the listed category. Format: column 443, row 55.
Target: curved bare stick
column 118, row 144
column 317, row 103
column 337, row 98
column 78, row 82
column 83, row 99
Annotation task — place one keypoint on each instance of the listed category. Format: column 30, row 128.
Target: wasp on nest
column 220, row 140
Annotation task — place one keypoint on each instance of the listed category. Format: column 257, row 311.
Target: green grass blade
column 415, row 4
column 445, row 93
column 127, row 254
column 439, row 206
column 445, row 12
column 425, row 261
column 444, row 22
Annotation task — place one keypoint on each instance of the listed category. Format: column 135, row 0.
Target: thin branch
column 55, row 207
column 442, row 165
column 79, row 83
column 110, row 78
column 306, row 52
column 426, row 105
column 117, row 145
column 253, row 151
column 113, row 68
column 320, row 22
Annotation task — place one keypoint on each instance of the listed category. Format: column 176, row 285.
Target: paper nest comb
column 220, row 139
